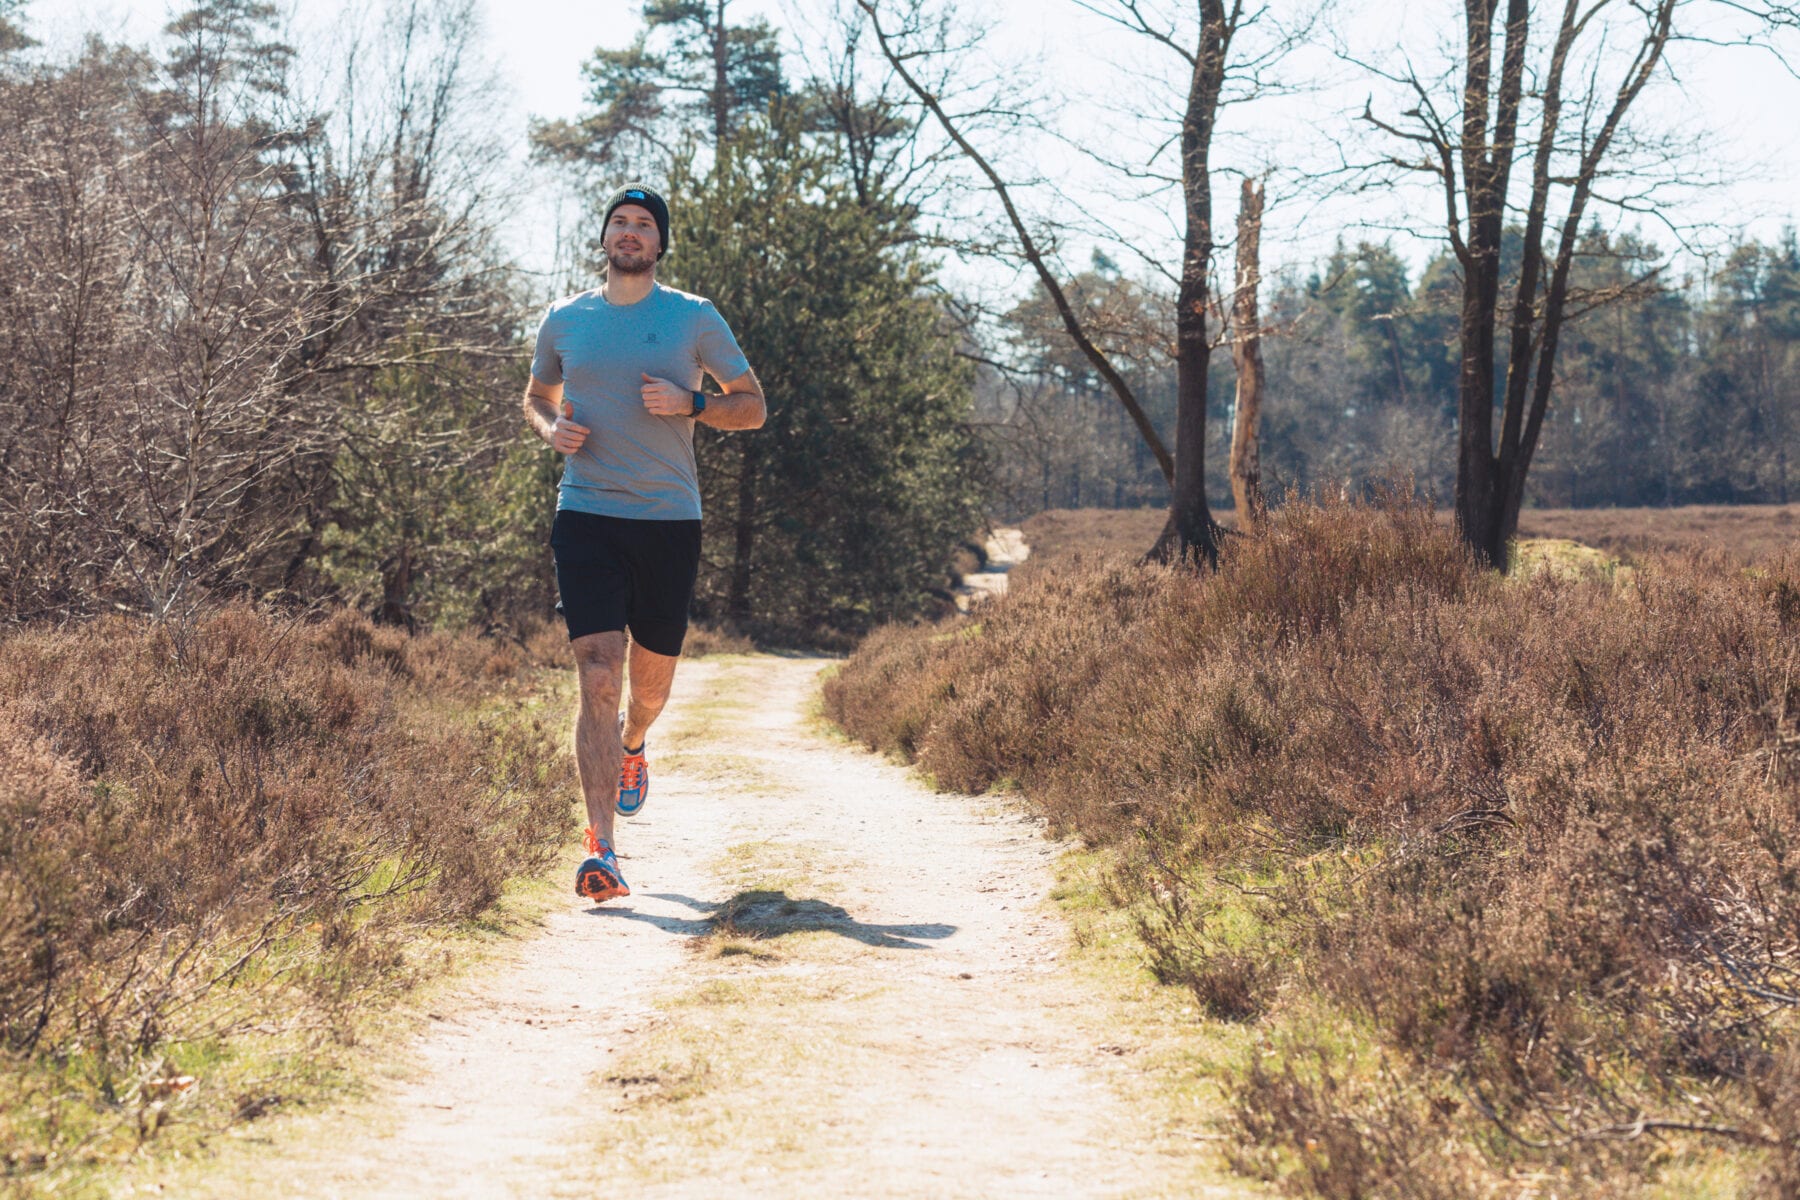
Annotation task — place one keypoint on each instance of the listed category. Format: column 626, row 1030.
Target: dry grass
column 236, row 826
column 1059, row 533
column 703, row 640
column 1509, row 866
column 1749, row 533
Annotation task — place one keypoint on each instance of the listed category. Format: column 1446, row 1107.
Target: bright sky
column 1744, row 97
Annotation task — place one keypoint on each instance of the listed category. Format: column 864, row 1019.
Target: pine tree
column 12, row 31
column 688, row 68
column 842, row 510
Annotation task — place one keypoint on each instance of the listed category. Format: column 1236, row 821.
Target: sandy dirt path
column 1005, row 549
column 829, row 981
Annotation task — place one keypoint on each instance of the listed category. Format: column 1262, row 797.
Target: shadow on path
column 685, row 926
column 762, row 915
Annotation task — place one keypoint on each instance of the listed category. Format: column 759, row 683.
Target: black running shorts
column 619, row 573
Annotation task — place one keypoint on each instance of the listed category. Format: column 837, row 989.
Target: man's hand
column 566, row 436
column 665, row 399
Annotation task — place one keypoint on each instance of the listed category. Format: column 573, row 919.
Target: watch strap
column 699, row 404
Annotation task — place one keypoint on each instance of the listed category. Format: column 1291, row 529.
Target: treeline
column 252, row 328
column 258, row 337
column 1667, row 391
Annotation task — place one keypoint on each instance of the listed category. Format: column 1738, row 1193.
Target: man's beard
column 626, row 263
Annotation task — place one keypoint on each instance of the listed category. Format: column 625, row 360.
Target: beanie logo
column 635, row 195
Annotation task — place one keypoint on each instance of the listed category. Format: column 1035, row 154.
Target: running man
column 615, row 386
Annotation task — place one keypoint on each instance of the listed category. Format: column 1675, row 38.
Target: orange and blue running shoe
column 634, row 782
column 598, row 877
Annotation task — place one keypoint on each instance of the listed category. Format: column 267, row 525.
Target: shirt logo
column 650, row 338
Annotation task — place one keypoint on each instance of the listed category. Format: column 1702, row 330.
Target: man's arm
column 739, row 406
column 550, row 418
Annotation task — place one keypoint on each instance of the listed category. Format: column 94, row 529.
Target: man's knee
column 652, row 674
column 600, row 665
column 651, row 693
column 645, row 707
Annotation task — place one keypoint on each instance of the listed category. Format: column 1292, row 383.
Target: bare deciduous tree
column 1217, row 67
column 1246, row 353
column 901, row 59
column 1469, row 129
column 204, row 273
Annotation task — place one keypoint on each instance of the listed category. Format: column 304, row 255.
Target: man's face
column 631, row 240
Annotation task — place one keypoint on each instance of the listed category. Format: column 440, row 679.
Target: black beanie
column 643, row 197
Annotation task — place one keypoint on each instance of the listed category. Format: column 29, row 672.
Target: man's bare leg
column 652, row 674
column 600, row 669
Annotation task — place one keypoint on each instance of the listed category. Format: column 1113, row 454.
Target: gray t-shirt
column 633, row 464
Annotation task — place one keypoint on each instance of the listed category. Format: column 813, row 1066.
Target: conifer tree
column 841, row 512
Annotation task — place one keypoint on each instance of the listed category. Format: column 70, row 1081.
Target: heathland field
column 1747, row 531
column 1379, row 875
column 1494, row 874
column 225, row 845
column 251, row 970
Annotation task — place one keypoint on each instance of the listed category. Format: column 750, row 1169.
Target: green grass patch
column 1562, row 556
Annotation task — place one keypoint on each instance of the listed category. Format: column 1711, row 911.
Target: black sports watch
column 699, row 404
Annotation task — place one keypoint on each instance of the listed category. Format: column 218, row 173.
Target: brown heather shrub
column 1534, row 839
column 893, row 687
column 1749, row 533
column 239, row 822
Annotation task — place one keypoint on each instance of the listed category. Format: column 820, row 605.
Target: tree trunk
column 1400, row 388
column 1487, row 167
column 396, row 589
column 721, row 97
column 1490, row 485
column 737, row 601
column 1246, row 353
column 1191, row 534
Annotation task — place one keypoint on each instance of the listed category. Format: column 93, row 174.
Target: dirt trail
column 886, row 1014
column 1005, row 549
